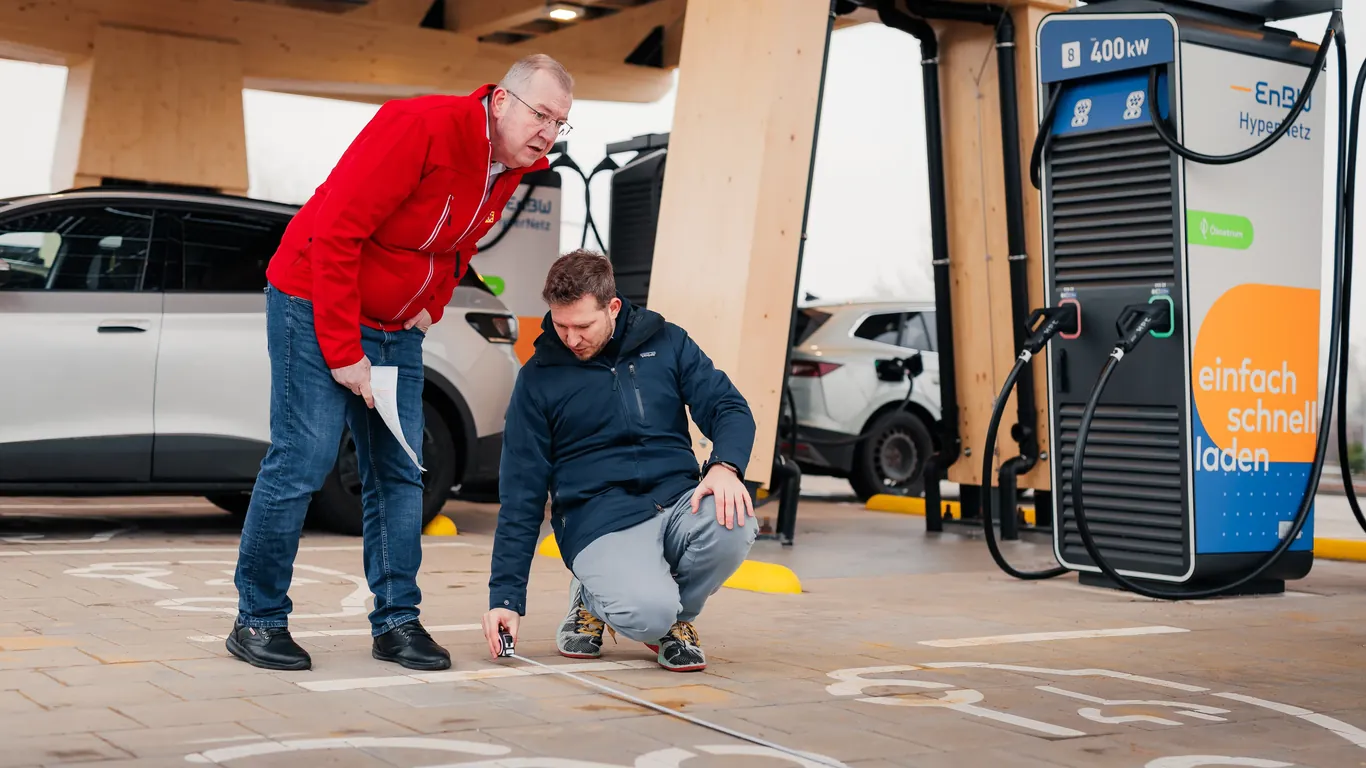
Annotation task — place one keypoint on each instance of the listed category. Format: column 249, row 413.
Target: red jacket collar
column 486, row 91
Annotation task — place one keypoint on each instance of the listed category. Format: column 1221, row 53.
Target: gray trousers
column 642, row 579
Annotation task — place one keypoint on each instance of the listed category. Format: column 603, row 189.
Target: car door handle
column 121, row 328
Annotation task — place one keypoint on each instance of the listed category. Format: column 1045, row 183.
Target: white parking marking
column 1349, row 732
column 464, row 676
column 355, row 632
column 351, row 605
column 101, row 507
column 200, row 550
column 41, row 538
column 670, row 757
column 1198, row 760
column 1037, row 637
column 224, row 754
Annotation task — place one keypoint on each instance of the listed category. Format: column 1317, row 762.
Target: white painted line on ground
column 228, row 754
column 197, row 550
column 1349, row 732
column 98, row 507
column 469, row 675
column 356, row 632
column 1036, row 637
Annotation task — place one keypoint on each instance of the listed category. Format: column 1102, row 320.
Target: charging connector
column 1137, row 320
column 1044, row 324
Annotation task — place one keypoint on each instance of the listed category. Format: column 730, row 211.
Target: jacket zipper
column 478, row 211
column 444, row 218
column 431, row 257
column 640, row 405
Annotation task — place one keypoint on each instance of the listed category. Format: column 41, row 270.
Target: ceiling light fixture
column 563, row 12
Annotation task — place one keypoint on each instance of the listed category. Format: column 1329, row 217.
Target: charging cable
column 1050, row 322
column 1134, row 324
column 1338, row 319
column 510, row 652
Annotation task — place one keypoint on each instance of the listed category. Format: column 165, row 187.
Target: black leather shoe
column 267, row 648
column 410, row 646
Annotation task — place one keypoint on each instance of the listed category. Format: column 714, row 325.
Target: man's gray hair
column 520, row 74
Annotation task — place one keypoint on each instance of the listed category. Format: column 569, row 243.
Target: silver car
column 135, row 363
column 852, row 423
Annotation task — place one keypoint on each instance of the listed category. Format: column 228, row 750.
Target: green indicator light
column 1171, row 316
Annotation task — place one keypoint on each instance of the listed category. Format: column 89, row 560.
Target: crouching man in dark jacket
column 597, row 420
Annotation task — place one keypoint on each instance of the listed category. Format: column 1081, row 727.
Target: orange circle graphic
column 1255, row 372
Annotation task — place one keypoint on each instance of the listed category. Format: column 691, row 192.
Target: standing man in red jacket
column 362, row 272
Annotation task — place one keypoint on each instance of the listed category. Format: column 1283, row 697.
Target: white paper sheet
column 384, row 387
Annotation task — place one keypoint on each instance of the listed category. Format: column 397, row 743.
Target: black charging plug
column 1137, row 320
column 1044, row 324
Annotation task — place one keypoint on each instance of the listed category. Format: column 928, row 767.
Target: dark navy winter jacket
column 608, row 440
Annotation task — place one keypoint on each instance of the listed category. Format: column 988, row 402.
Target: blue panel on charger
column 1242, row 503
column 1106, row 103
column 1075, row 46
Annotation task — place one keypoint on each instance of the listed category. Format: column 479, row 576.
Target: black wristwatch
column 725, row 464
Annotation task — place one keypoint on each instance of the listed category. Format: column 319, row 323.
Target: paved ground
column 904, row 649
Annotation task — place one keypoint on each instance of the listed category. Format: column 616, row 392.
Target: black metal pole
column 950, row 441
column 795, row 487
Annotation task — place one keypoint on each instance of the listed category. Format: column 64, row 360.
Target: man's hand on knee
column 496, row 619
column 356, row 377
column 732, row 498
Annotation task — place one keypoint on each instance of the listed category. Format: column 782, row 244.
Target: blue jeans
column 307, row 411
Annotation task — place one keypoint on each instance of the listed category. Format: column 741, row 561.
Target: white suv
column 852, row 423
column 134, row 356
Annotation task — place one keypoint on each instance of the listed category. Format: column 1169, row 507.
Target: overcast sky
column 869, row 224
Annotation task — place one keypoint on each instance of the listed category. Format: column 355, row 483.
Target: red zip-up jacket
column 393, row 228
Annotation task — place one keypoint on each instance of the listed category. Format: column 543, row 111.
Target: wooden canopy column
column 730, row 219
column 153, row 107
column 979, row 266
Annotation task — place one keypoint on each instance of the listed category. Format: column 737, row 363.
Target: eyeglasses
column 562, row 127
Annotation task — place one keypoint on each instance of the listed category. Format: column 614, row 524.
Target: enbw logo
column 1283, row 96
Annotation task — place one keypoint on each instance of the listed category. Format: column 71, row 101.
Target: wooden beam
column 284, row 44
column 406, row 12
column 480, row 17
column 725, row 261
column 979, row 269
column 154, row 107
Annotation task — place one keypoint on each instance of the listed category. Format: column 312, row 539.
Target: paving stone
column 113, row 695
column 114, row 673
column 45, row 749
column 193, row 712
column 180, row 740
column 46, row 658
column 223, row 687
column 876, row 587
column 604, row 743
column 15, row 703
column 66, row 721
column 462, row 717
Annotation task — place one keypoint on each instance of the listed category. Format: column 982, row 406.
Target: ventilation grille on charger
column 1133, row 487
column 1112, row 208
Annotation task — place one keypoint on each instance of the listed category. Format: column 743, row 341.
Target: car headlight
column 496, row 328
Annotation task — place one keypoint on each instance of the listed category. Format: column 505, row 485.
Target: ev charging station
column 1181, row 163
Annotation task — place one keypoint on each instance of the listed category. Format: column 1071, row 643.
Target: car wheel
column 234, row 504
column 891, row 460
column 337, row 505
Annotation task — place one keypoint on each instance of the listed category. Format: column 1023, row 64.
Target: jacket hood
column 635, row 325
